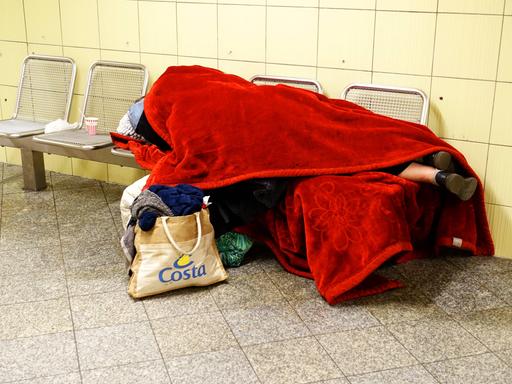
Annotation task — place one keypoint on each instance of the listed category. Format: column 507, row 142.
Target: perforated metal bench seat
column 44, row 94
column 76, row 138
column 297, row 82
column 20, row 128
column 407, row 104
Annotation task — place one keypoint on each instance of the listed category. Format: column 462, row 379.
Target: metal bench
column 407, row 104
column 112, row 87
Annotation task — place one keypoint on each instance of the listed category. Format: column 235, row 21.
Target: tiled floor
column 66, row 317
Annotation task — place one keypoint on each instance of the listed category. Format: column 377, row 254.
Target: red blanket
column 335, row 229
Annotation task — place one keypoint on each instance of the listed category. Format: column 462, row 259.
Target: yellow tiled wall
column 458, row 51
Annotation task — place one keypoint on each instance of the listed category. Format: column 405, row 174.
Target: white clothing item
column 126, row 128
column 59, row 125
column 129, row 194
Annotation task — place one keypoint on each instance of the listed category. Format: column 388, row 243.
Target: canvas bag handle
column 199, row 235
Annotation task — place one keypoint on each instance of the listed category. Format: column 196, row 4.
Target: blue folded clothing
column 183, row 199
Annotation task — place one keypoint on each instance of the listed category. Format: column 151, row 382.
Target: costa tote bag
column 178, row 252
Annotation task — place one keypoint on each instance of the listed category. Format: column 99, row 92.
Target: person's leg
column 420, row 173
column 464, row 188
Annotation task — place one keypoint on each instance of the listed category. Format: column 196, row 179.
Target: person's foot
column 441, row 160
column 464, row 188
column 468, row 188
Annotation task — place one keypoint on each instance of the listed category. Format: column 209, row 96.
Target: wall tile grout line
column 372, row 69
column 433, row 58
column 217, row 31
column 317, row 37
column 266, row 38
column 494, row 95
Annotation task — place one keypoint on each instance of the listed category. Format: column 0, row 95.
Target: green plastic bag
column 232, row 247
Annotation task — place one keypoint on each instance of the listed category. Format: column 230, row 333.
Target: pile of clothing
column 183, row 199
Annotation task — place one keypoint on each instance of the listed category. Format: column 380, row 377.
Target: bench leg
column 34, row 177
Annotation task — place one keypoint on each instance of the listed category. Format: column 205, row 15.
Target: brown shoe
column 441, row 160
column 464, row 188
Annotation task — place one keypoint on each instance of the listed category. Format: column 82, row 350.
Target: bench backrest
column 407, row 104
column 45, row 89
column 310, row 85
column 112, row 87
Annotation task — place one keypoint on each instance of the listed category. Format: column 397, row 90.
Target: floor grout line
column 235, row 338
column 67, row 288
column 157, row 344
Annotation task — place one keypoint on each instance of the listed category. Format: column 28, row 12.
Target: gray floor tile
column 482, row 266
column 84, row 214
column 436, row 338
column 116, row 345
column 333, row 381
column 61, row 181
column 320, row 317
column 97, row 279
column 41, row 286
column 29, row 233
column 28, row 202
column 181, row 302
column 291, row 361
column 115, row 211
column 183, row 335
column 492, row 327
column 31, row 357
column 79, row 202
column 149, row 372
column 461, row 296
column 264, row 324
column 13, row 180
column 432, row 272
column 248, row 268
column 294, row 287
column 479, row 369
column 113, row 192
column 104, row 309
column 16, row 219
column 501, row 285
column 270, row 264
column 68, row 378
column 246, row 291
column 406, row 304
column 505, row 355
column 79, row 253
column 415, row 374
column 35, row 318
column 10, row 170
column 23, row 261
column 221, row 367
column 101, row 230
column 366, row 350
